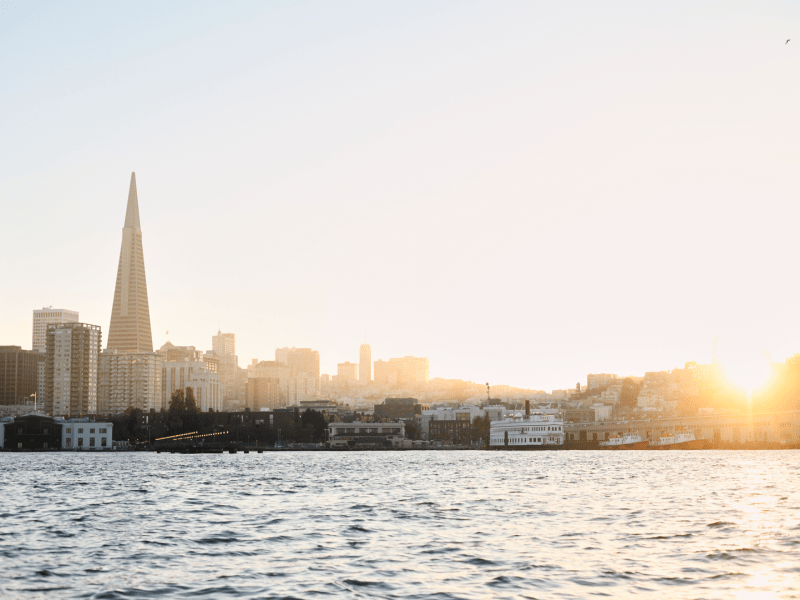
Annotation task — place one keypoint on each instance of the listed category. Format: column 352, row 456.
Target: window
column 69, row 429
column 19, row 444
column 80, row 429
column 103, row 442
column 91, row 442
column 80, row 441
column 68, row 443
column 91, row 431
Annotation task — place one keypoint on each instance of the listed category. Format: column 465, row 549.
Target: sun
column 744, row 365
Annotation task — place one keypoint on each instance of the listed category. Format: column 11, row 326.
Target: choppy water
column 401, row 525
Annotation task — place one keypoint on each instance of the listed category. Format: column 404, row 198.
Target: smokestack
column 527, row 408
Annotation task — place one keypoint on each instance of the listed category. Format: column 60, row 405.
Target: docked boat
column 531, row 431
column 626, row 441
column 683, row 439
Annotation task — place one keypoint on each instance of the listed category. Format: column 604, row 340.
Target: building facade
column 303, row 364
column 71, row 369
column 366, row 435
column 129, row 380
column 224, row 346
column 409, row 370
column 129, row 330
column 176, row 375
column 365, row 363
column 41, row 319
column 19, row 374
column 346, row 373
column 82, row 434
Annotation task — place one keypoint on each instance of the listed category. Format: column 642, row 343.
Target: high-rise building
column 193, row 374
column 346, row 373
column 130, row 372
column 365, row 363
column 18, row 374
column 224, row 346
column 41, row 319
column 71, row 371
column 129, row 380
column 130, row 316
column 303, row 363
column 47, row 316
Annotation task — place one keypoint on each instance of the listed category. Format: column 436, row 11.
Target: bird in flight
column 787, row 41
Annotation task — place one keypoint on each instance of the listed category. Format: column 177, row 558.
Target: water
column 401, row 525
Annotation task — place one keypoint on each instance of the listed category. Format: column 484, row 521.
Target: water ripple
column 426, row 525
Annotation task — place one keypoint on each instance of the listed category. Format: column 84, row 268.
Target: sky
column 523, row 192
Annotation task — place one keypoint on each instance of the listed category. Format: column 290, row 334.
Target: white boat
column 626, row 441
column 683, row 439
column 528, row 431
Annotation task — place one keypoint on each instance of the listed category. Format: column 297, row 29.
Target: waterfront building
column 19, row 374
column 129, row 380
column 182, row 374
column 530, row 430
column 82, row 434
column 130, row 314
column 33, row 431
column 365, row 363
column 451, row 423
column 727, row 430
column 71, row 369
column 367, row 435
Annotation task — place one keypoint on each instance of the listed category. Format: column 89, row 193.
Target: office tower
column 129, row 370
column 129, row 380
column 18, row 374
column 182, row 374
column 346, row 373
column 130, row 316
column 268, row 385
column 46, row 316
column 381, row 372
column 71, row 371
column 224, row 346
column 41, row 319
column 303, row 366
column 365, row 363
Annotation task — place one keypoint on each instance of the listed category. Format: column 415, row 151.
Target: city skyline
column 554, row 215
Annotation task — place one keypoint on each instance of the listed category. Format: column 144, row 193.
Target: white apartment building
column 71, row 371
column 129, row 380
column 81, row 434
column 41, row 319
column 176, row 375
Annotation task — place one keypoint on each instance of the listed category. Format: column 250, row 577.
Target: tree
column 177, row 404
column 481, row 426
column 315, row 424
column 412, row 431
column 190, row 404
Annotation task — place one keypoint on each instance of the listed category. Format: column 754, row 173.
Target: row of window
column 80, row 430
column 103, row 443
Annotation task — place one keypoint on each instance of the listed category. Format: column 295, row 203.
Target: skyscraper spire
column 132, row 214
column 130, row 316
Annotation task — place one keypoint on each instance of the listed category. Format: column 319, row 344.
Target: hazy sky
column 524, row 192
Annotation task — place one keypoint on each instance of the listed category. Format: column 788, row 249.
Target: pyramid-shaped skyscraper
column 130, row 316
